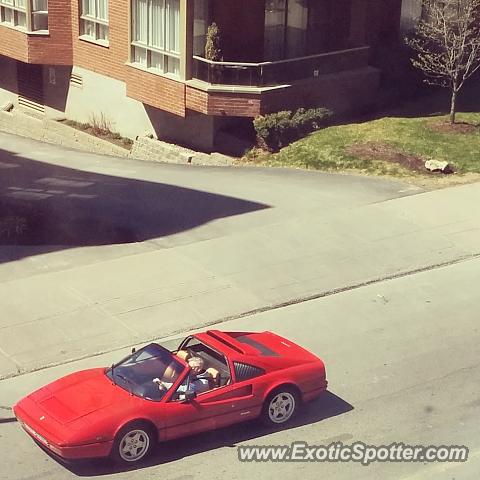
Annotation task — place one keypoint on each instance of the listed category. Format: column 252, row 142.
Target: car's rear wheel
column 133, row 443
column 280, row 406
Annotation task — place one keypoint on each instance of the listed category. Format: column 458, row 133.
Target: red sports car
column 212, row 380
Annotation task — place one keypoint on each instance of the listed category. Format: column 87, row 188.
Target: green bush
column 277, row 130
column 307, row 121
column 274, row 130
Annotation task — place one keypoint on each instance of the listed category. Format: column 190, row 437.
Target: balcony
column 281, row 72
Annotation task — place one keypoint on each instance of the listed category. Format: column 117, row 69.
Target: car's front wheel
column 133, row 443
column 280, row 406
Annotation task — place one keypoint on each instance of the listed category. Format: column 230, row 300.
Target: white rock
column 438, row 166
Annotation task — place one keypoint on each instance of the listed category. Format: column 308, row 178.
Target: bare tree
column 447, row 44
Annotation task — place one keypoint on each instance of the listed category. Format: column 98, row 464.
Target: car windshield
column 148, row 373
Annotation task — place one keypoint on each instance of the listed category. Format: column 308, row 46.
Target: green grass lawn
column 384, row 146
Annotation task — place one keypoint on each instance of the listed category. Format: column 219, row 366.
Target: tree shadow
column 45, row 208
column 327, row 406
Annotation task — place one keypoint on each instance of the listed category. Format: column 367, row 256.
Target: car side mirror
column 189, row 396
column 133, row 350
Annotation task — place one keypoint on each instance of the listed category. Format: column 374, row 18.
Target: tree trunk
column 453, row 106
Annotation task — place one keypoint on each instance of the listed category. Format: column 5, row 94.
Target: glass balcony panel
column 282, row 72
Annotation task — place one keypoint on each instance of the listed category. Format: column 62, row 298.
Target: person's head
column 183, row 354
column 196, row 364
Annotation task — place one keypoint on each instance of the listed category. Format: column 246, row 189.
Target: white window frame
column 16, row 9
column 99, row 24
column 148, row 50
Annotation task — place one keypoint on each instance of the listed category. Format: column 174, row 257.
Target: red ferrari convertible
column 212, row 380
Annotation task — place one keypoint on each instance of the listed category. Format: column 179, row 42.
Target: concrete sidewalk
column 55, row 316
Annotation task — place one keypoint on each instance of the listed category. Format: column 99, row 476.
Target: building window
column 40, row 15
column 200, row 26
column 287, row 24
column 410, row 15
column 294, row 28
column 15, row 14
column 156, row 35
column 94, row 20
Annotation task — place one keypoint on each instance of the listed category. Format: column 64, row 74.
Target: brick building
column 140, row 64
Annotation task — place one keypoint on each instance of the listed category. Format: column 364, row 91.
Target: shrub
column 307, row 121
column 213, row 49
column 100, row 125
column 276, row 130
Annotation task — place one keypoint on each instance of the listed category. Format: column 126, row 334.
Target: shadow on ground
column 429, row 101
column 327, row 406
column 48, row 208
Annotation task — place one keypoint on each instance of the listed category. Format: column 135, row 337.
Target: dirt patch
column 380, row 151
column 460, row 128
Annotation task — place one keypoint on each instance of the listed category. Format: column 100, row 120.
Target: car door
column 210, row 410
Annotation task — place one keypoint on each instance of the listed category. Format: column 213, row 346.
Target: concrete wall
column 47, row 130
column 101, row 95
column 40, row 128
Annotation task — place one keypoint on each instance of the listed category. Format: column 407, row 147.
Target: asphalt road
column 129, row 250
column 402, row 358
column 117, row 251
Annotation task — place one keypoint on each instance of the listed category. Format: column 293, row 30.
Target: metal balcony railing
column 279, row 72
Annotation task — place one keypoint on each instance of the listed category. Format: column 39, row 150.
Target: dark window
column 295, row 28
column 246, row 372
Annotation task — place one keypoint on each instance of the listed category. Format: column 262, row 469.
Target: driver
column 198, row 378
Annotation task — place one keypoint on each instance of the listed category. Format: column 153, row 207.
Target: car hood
column 78, row 395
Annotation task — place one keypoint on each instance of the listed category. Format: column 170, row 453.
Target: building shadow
column 46, row 208
column 425, row 101
column 327, row 406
